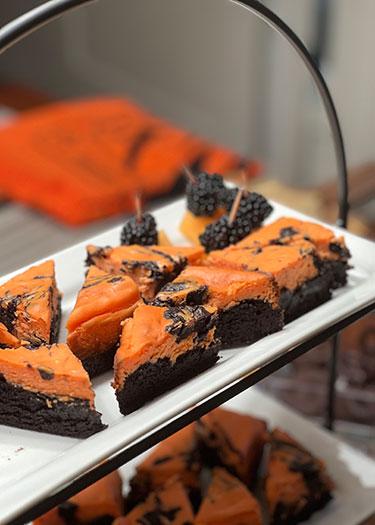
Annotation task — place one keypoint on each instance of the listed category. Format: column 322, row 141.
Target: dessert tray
column 38, row 470
column 353, row 473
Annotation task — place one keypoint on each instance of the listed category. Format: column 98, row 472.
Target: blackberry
column 253, row 208
column 222, row 233
column 204, row 195
column 140, row 230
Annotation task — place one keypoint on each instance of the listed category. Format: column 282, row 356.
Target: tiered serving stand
column 18, row 29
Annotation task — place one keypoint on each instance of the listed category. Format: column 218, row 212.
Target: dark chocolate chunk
column 45, row 374
column 287, row 232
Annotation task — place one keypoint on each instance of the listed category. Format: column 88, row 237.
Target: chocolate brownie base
column 99, row 363
column 305, row 298
column 153, row 379
column 34, row 411
column 285, row 515
column 247, row 322
column 336, row 271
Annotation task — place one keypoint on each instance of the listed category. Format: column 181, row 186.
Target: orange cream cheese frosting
column 7, row 340
column 176, row 456
column 169, row 505
column 149, row 266
column 104, row 301
column 52, row 370
column 290, row 265
column 29, row 304
column 219, row 286
column 228, row 502
column 155, row 332
column 101, row 500
column 288, row 230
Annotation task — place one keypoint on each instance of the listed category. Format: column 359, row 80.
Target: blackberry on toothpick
column 203, row 192
column 141, row 228
column 225, row 231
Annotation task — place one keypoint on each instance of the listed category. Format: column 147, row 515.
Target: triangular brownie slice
column 233, row 440
column 169, row 505
column 176, row 456
column 161, row 348
column 296, row 482
column 99, row 503
column 94, row 325
column 48, row 390
column 30, row 305
column 228, row 502
column 150, row 266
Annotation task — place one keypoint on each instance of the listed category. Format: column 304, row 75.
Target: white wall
column 207, row 65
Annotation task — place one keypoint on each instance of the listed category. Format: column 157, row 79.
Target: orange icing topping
column 34, row 311
column 228, row 501
column 171, row 497
column 226, row 286
column 6, row 338
column 52, row 370
column 319, row 235
column 145, row 338
column 290, row 265
column 177, row 449
column 103, row 498
column 102, row 293
column 239, row 439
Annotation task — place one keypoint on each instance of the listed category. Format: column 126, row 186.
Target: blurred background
column 223, row 82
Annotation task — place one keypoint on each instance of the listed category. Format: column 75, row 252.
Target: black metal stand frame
column 26, row 24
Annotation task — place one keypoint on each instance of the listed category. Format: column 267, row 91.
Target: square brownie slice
column 295, row 267
column 296, row 483
column 232, row 440
column 331, row 251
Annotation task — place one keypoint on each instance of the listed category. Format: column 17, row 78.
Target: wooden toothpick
column 189, row 175
column 235, row 206
column 138, row 206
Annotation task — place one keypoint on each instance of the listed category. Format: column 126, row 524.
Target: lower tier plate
column 38, row 470
column 352, row 472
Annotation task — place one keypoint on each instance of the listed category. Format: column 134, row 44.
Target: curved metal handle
column 22, row 26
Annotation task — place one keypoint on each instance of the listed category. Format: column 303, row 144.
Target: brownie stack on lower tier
column 296, row 483
column 234, row 441
column 177, row 456
column 94, row 325
column 161, row 348
column 247, row 302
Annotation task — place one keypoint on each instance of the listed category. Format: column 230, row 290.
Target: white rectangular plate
column 33, row 466
column 352, row 472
